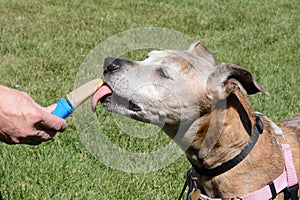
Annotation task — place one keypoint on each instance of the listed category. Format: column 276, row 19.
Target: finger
column 38, row 138
column 52, row 122
column 51, row 133
column 45, row 134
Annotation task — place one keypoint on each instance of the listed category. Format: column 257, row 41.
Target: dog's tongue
column 99, row 94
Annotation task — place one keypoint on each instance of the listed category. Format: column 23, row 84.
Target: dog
column 204, row 108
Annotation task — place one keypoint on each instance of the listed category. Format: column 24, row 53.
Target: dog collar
column 258, row 129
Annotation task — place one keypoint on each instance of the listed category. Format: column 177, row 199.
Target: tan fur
column 295, row 122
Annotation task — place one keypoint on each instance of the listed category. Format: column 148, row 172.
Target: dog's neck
column 222, row 133
column 239, row 123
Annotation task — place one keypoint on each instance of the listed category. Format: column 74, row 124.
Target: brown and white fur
column 205, row 110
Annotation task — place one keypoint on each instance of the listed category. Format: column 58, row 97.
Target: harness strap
column 289, row 165
column 265, row 193
column 279, row 183
column 291, row 192
column 288, row 179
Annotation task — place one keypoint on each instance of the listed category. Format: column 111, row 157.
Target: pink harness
column 286, row 180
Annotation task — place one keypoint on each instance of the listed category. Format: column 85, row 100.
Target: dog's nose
column 111, row 64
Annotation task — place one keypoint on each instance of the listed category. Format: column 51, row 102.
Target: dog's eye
column 162, row 73
column 147, row 56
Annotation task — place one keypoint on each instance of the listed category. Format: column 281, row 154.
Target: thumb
column 50, row 108
column 51, row 121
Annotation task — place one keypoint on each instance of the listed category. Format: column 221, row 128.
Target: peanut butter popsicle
column 75, row 98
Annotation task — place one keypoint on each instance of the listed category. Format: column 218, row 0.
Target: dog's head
column 170, row 88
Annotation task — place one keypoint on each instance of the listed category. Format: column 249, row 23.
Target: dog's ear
column 229, row 77
column 200, row 50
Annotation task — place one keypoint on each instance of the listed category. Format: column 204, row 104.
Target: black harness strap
column 272, row 189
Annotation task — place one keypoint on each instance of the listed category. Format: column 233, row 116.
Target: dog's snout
column 111, row 64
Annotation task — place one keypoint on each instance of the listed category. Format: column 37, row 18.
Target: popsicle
column 75, row 98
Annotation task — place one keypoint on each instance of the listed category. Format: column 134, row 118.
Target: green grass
column 43, row 43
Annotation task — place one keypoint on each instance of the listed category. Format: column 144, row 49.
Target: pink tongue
column 101, row 92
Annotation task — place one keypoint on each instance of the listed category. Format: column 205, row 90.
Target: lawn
column 44, row 43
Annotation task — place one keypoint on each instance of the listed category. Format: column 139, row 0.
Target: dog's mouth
column 111, row 101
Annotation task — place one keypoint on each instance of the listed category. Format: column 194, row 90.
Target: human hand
column 23, row 121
